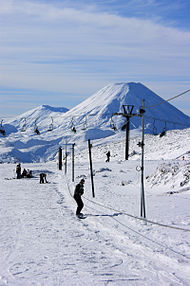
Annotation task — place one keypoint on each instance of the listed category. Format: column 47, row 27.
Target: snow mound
column 176, row 174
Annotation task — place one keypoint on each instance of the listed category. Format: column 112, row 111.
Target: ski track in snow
column 43, row 243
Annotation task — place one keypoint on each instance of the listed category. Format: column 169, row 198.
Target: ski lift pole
column 60, row 158
column 91, row 170
column 73, row 163
column 128, row 109
column 127, row 138
column 143, row 211
column 66, row 158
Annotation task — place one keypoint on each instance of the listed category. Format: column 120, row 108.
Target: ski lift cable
column 140, row 234
column 130, row 215
column 85, row 115
column 139, row 218
column 178, row 95
column 133, row 124
column 165, row 120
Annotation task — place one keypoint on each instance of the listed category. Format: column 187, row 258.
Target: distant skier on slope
column 108, row 156
column 79, row 191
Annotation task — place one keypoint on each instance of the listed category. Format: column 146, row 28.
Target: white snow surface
column 42, row 242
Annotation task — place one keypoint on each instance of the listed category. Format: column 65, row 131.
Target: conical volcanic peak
column 101, row 106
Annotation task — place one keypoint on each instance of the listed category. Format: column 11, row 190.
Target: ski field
column 42, row 242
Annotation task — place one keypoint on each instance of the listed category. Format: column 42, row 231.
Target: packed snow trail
column 152, row 264
column 43, row 243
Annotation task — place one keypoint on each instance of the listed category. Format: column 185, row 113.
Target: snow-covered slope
column 42, row 242
column 93, row 119
column 42, row 116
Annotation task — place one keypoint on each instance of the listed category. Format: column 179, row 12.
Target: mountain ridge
column 91, row 119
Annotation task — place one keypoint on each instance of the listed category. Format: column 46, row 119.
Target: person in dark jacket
column 108, row 156
column 18, row 171
column 79, row 191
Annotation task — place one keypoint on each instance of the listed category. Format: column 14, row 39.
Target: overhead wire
column 165, row 120
column 132, row 217
column 139, row 218
column 164, row 101
column 145, row 237
column 169, row 99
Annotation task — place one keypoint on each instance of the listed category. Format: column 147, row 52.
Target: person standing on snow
column 79, row 191
column 108, row 156
column 18, row 171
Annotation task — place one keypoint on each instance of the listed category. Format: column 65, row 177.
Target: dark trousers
column 43, row 178
column 80, row 204
column 108, row 159
column 18, row 175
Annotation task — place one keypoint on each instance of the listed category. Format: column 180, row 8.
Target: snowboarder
column 108, row 156
column 18, row 171
column 79, row 191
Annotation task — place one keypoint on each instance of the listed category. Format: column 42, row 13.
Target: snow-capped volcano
column 92, row 119
column 110, row 99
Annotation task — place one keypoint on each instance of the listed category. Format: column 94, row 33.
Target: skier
column 18, row 171
column 79, row 191
column 108, row 156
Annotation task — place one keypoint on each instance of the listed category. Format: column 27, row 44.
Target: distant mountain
column 43, row 116
column 92, row 119
column 97, row 112
column 98, row 109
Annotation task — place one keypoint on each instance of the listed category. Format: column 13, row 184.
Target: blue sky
column 60, row 52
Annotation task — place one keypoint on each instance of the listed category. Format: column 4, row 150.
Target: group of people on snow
column 23, row 174
column 28, row 174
